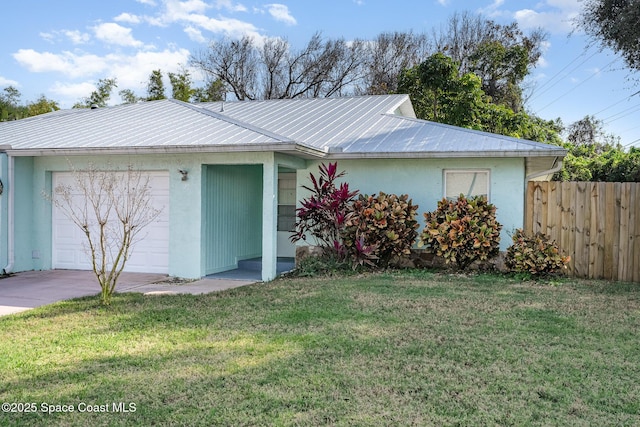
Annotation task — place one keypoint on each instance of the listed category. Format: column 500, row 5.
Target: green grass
column 410, row 348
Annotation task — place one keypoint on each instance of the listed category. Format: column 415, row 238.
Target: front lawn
column 407, row 348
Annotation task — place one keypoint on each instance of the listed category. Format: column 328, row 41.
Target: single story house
column 227, row 175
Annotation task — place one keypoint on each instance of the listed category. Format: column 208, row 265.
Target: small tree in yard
column 462, row 231
column 111, row 208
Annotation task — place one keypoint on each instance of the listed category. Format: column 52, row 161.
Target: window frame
column 486, row 171
column 284, row 204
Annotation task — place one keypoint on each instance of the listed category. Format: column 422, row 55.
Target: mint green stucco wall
column 4, row 211
column 33, row 229
column 422, row 179
column 232, row 215
column 30, row 201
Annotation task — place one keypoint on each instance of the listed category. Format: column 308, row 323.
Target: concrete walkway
column 31, row 289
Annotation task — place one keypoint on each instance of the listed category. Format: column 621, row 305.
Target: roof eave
column 173, row 149
column 442, row 155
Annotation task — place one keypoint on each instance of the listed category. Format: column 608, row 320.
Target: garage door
column 149, row 255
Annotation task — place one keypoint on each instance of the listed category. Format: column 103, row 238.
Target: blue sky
column 61, row 49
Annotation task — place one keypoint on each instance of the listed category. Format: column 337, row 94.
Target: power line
column 626, row 98
column 630, row 129
column 595, row 73
column 620, row 114
column 559, row 72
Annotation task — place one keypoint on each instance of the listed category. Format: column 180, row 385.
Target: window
column 470, row 183
column 286, row 201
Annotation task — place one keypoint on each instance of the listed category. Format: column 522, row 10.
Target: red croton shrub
column 536, row 254
column 385, row 225
column 462, row 231
column 368, row 231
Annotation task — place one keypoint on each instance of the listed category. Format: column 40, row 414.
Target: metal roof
column 368, row 126
column 375, row 126
column 159, row 124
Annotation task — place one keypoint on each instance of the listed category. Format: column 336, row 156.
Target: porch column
column 4, row 211
column 269, row 220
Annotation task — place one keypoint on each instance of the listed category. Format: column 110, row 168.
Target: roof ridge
column 233, row 121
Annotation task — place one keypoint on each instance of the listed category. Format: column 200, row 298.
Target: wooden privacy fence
column 597, row 223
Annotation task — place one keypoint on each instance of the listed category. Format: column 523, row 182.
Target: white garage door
column 149, row 255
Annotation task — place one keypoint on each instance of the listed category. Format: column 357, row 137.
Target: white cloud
column 280, row 12
column 71, row 92
column 8, row 82
column 130, row 71
column 566, row 5
column 191, row 14
column 555, row 16
column 128, row 18
column 68, row 63
column 359, row 2
column 231, row 6
column 553, row 21
column 77, row 37
column 443, row 2
column 227, row 26
column 494, row 9
column 147, row 2
column 542, row 62
column 74, row 36
column 50, row 37
column 179, row 10
column 112, row 33
column 195, row 34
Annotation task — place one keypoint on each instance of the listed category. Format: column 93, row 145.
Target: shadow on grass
column 369, row 350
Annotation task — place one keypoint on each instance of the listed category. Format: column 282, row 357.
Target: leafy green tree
column 501, row 55
column 128, row 96
column 99, row 97
column 10, row 108
column 502, row 120
column 41, row 106
column 181, row 86
column 614, row 24
column 441, row 95
column 11, row 96
column 212, row 91
column 155, row 87
column 595, row 155
column 627, row 168
column 590, row 131
column 502, row 68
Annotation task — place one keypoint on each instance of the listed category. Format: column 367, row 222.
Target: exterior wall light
column 185, row 174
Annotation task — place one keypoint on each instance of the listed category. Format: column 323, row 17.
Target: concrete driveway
column 31, row 289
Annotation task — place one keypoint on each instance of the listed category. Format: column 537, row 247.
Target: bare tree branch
column 273, row 71
column 111, row 208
